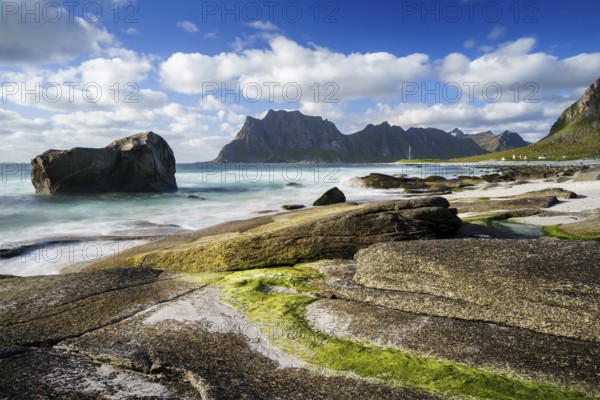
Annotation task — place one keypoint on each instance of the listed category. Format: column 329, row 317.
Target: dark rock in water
column 383, row 181
column 435, row 178
column 292, row 206
column 332, row 196
column 193, row 196
column 293, row 184
column 140, row 163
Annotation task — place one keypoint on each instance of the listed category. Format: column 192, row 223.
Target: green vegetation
column 554, row 231
column 246, row 291
column 421, row 160
column 576, row 140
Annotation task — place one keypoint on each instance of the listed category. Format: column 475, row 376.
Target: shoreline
column 565, row 211
column 455, row 296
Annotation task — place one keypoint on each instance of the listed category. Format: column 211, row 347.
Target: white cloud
column 497, row 32
column 515, row 62
column 469, row 43
column 534, row 120
column 131, row 31
column 263, row 26
column 287, row 62
column 187, row 26
column 197, row 127
column 56, row 37
column 111, row 82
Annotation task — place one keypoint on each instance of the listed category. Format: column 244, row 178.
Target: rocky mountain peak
column 457, row 133
column 583, row 111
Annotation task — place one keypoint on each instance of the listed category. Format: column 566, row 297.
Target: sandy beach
column 567, row 210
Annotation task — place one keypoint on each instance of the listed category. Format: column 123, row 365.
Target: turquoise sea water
column 208, row 194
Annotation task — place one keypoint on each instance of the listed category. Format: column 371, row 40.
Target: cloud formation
column 188, row 26
column 50, row 36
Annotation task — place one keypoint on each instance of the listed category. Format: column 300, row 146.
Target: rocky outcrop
column 499, row 281
column 336, row 231
column 587, row 107
column 588, row 229
column 332, row 196
column 283, row 136
column 140, row 163
column 135, row 333
column 586, row 175
column 577, row 131
column 533, row 201
column 517, row 351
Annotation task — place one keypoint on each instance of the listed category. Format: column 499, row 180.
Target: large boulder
column 140, row 163
column 337, row 231
column 332, row 196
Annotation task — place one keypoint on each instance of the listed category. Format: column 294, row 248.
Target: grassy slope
column 578, row 139
column 283, row 318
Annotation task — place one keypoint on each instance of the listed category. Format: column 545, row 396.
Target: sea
column 41, row 235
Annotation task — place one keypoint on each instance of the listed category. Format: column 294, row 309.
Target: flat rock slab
column 586, row 175
column 138, row 333
column 503, row 204
column 522, row 352
column 547, row 286
column 527, row 203
column 43, row 310
column 586, row 229
column 55, row 374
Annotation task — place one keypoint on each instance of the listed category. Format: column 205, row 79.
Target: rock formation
column 502, row 281
column 336, row 231
column 585, row 110
column 140, row 163
column 283, row 136
column 332, row 196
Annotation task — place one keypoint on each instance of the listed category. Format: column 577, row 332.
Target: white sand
column 588, row 194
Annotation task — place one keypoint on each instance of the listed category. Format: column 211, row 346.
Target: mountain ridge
column 290, row 136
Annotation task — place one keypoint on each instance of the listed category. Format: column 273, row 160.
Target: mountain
column 505, row 141
column 577, row 130
column 575, row 134
column 290, row 136
column 457, row 133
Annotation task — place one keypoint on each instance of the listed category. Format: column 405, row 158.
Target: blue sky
column 476, row 65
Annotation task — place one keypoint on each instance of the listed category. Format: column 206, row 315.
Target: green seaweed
column 245, row 290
